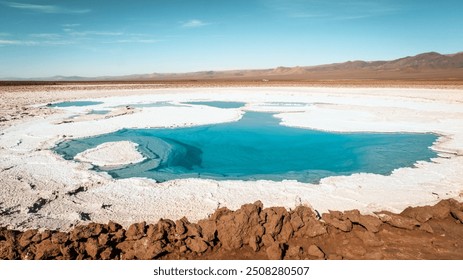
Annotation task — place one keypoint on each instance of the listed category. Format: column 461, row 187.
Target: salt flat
column 41, row 189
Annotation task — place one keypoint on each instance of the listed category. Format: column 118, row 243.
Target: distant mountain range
column 429, row 66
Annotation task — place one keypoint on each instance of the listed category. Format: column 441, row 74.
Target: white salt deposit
column 112, row 154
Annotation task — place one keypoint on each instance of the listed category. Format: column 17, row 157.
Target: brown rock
column 274, row 222
column 368, row 238
column 78, row 247
column 193, row 230
column 230, row 233
column 286, row 230
column 351, row 251
column 196, row 245
column 457, row 215
column 315, row 251
column 45, row 234
column 296, row 221
column 180, row 226
column 135, row 231
column 168, row 228
column 91, row 247
column 125, row 246
column 426, row 227
column 37, row 238
column 441, row 210
column 155, row 233
column 312, row 228
column 275, row 252
column 255, row 207
column 399, row 221
column 421, row 214
column 6, row 250
column 208, row 229
column 168, row 248
column 107, row 254
column 371, row 223
column 67, row 252
column 334, row 257
column 305, row 213
column 182, row 249
column 353, row 215
column 267, row 240
column 254, row 243
column 28, row 253
column 25, row 238
column 47, row 250
column 113, row 227
column 59, row 237
column 235, row 228
column 374, row 256
column 294, row 252
column 118, row 236
column 95, row 229
column 336, row 214
column 6, row 234
column 258, row 231
column 219, row 213
column 144, row 249
column 103, row 239
column 179, row 243
column 80, row 233
column 344, row 225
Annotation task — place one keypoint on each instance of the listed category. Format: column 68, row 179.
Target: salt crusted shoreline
column 39, row 189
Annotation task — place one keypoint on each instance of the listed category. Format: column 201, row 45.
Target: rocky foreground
column 428, row 232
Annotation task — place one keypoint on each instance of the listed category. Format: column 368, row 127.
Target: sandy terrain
column 58, row 194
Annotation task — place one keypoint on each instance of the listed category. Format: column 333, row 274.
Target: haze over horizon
column 40, row 38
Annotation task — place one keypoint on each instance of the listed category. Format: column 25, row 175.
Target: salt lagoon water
column 218, row 104
column 75, row 103
column 258, row 147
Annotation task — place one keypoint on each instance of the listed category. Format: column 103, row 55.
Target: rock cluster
column 253, row 232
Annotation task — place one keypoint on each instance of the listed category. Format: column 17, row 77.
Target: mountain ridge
column 429, row 65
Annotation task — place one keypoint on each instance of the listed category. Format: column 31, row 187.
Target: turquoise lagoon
column 258, row 147
column 218, row 104
column 74, row 103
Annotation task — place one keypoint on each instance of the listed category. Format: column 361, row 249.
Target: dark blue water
column 75, row 103
column 218, row 104
column 257, row 147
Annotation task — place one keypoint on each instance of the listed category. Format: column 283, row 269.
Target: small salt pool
column 218, row 104
column 75, row 103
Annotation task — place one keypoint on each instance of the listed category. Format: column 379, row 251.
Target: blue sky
column 40, row 38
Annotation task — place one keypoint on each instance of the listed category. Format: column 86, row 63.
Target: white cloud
column 45, row 35
column 17, row 43
column 97, row 33
column 194, row 23
column 46, row 9
column 38, row 42
column 140, row 41
column 69, row 25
